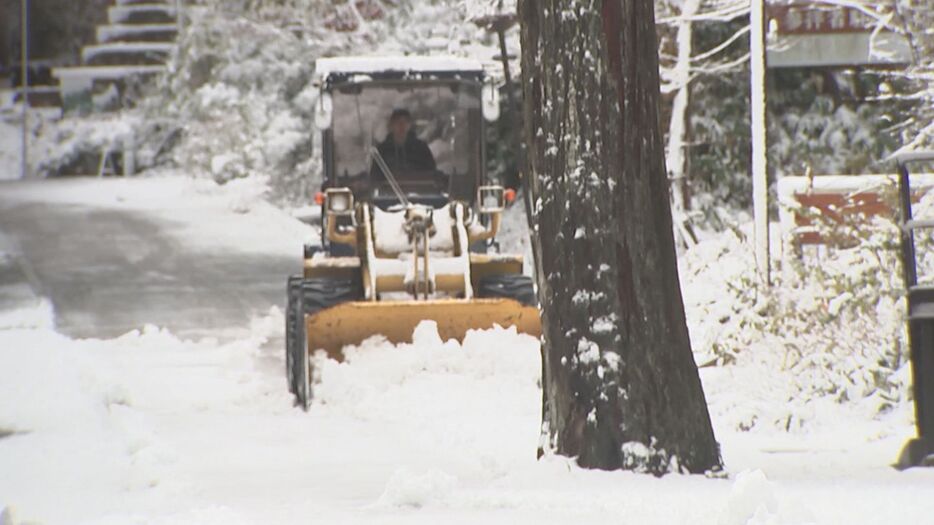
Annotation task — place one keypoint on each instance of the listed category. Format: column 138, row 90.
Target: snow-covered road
column 111, row 258
column 191, row 424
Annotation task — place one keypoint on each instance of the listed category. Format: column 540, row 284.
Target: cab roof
column 327, row 68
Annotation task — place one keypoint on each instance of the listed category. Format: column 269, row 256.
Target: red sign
column 818, row 18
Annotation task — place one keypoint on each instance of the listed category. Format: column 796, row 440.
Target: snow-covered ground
column 151, row 428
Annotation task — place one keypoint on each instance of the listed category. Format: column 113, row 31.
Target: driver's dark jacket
column 406, row 160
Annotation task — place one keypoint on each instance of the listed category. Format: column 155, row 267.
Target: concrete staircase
column 131, row 49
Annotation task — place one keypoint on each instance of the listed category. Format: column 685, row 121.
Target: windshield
column 434, row 149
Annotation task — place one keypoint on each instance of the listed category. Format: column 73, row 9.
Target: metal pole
column 907, row 237
column 24, row 83
column 760, row 184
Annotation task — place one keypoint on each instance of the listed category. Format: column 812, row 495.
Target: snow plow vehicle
column 407, row 213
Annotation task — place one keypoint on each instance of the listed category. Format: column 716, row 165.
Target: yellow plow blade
column 351, row 323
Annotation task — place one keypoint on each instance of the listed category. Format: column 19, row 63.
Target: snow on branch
column 478, row 9
column 722, row 66
column 726, row 43
column 721, row 12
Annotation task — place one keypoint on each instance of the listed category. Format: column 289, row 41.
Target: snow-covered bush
column 75, row 146
column 237, row 89
column 814, row 133
column 832, row 324
column 839, row 320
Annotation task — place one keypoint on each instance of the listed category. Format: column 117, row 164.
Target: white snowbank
column 84, row 415
column 11, row 144
column 38, row 314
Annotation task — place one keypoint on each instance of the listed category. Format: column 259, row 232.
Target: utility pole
column 760, row 182
column 24, row 84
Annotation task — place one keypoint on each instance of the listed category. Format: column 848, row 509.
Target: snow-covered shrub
column 827, row 138
column 75, row 146
column 840, row 319
column 832, row 324
column 236, row 90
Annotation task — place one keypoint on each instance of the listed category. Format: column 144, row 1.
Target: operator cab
column 439, row 158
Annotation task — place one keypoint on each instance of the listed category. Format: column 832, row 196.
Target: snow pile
column 377, row 381
column 753, row 501
column 80, row 416
column 39, row 314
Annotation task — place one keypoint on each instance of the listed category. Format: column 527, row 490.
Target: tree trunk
column 621, row 389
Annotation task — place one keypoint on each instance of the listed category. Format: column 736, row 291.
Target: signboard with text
column 812, row 34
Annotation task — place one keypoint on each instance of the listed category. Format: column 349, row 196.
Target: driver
column 406, row 155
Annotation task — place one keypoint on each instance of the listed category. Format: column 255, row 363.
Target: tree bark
column 620, row 387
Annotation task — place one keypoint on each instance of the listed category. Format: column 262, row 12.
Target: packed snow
column 152, row 428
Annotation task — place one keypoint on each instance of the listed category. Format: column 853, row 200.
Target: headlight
column 490, row 199
column 340, row 201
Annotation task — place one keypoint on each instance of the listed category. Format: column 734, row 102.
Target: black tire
column 510, row 286
column 308, row 296
column 309, row 250
column 321, row 292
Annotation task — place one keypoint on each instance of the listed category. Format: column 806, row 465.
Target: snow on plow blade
column 353, row 322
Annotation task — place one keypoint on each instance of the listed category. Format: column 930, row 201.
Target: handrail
column 914, row 156
column 917, row 224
